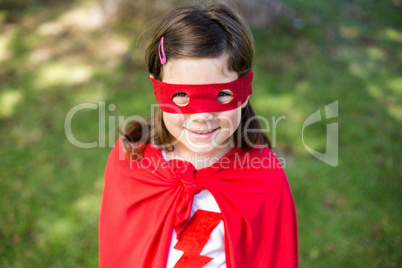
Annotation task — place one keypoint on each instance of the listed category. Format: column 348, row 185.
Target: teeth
column 203, row 132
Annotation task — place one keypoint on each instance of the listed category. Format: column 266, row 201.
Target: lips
column 202, row 133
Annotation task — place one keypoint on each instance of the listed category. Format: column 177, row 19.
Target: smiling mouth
column 202, row 131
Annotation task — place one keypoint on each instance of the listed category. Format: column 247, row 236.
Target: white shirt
column 215, row 247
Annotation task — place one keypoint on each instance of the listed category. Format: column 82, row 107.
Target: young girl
column 199, row 187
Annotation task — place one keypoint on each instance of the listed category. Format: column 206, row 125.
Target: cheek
column 173, row 121
column 231, row 118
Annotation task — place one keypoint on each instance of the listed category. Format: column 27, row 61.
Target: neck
column 198, row 160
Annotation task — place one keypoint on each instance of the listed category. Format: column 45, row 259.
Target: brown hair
column 199, row 31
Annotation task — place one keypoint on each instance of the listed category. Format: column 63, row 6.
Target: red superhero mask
column 202, row 98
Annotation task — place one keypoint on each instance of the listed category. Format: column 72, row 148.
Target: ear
column 244, row 103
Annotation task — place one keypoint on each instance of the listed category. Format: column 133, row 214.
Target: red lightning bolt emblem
column 194, row 238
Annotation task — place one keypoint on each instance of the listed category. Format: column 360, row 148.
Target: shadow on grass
column 53, row 60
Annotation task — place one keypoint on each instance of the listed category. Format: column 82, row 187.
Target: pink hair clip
column 163, row 59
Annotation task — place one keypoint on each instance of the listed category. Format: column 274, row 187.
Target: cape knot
column 185, row 172
column 192, row 187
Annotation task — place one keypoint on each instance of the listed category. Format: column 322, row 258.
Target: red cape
column 144, row 200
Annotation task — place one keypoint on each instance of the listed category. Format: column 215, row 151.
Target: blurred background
column 57, row 54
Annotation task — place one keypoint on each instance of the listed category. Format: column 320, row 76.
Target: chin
column 200, row 148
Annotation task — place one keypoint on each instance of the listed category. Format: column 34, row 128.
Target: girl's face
column 206, row 132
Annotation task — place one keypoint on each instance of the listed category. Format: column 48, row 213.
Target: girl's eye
column 180, row 94
column 180, row 98
column 225, row 96
column 221, row 94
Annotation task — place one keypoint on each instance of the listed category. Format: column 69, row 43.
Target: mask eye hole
column 181, row 99
column 225, row 96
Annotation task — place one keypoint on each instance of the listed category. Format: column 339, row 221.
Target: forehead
column 198, row 71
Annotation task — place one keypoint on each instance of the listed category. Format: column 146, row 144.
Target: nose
column 202, row 117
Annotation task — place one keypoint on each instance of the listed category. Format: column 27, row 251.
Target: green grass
column 346, row 51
